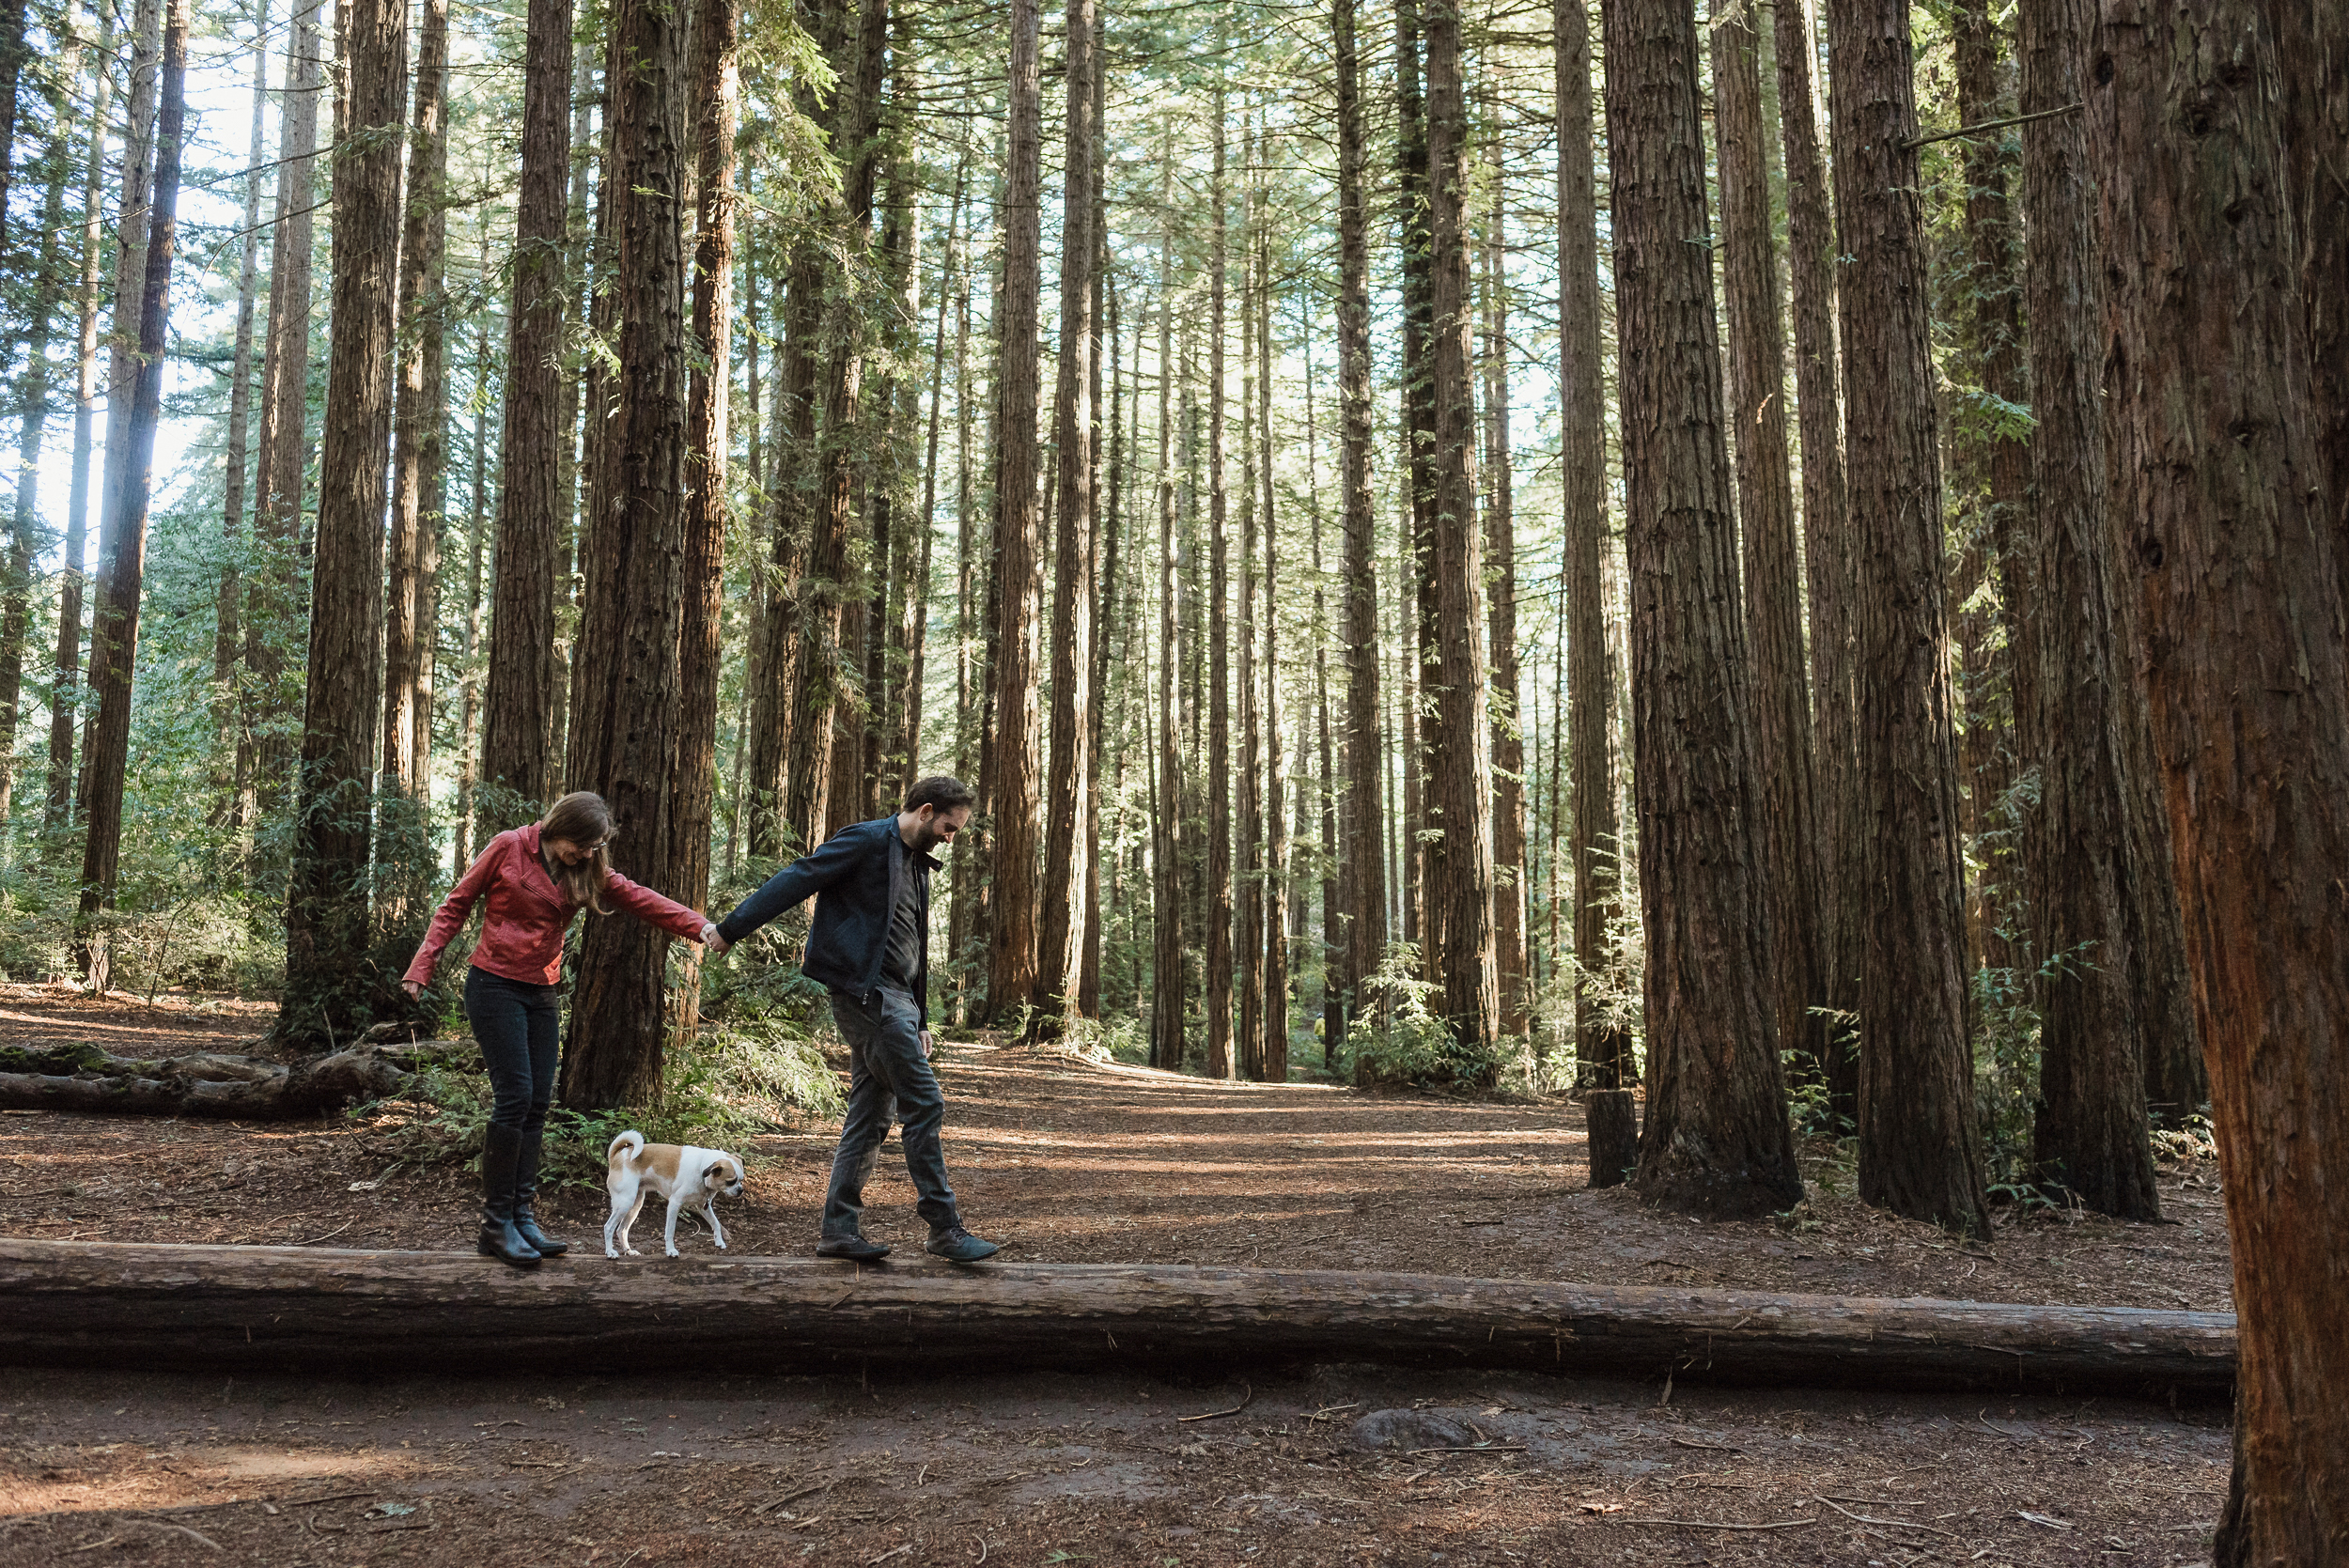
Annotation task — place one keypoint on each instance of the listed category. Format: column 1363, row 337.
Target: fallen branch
column 1715, row 1524
column 1248, row 1394
column 83, row 1078
column 98, row 1303
column 1893, row 1524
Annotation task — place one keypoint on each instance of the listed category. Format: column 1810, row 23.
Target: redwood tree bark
column 1167, row 977
column 625, row 692
column 1717, row 1138
column 122, row 541
column 518, row 704
column 716, row 105
column 1219, row 900
column 330, row 986
column 1365, row 758
column 1068, row 871
column 2105, row 909
column 1511, row 882
column 1920, row 1143
column 1011, row 949
column 420, row 447
column 2219, row 475
column 1766, row 511
column 1825, row 543
column 1602, row 1048
column 1460, row 735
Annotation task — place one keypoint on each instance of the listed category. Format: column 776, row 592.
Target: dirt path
column 1067, row 1161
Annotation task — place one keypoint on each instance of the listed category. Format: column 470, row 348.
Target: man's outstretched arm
column 803, row 879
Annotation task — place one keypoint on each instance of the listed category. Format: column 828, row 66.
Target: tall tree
column 2104, row 907
column 1717, row 1138
column 1011, row 956
column 2219, row 473
column 1765, row 510
column 1219, row 899
column 1500, row 546
column 1602, row 1048
column 518, row 704
column 626, row 685
column 1825, row 543
column 1365, row 758
column 329, row 984
column 273, row 607
column 1273, row 1051
column 138, row 368
column 1459, row 739
column 1248, row 835
column 1069, row 872
column 1920, row 1146
column 64, row 705
column 1422, row 915
column 714, row 110
column 228, row 634
column 419, row 451
column 1168, row 980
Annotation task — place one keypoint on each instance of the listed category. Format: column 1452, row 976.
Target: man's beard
column 926, row 838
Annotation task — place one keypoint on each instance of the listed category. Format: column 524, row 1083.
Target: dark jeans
column 519, row 1027
column 889, row 1078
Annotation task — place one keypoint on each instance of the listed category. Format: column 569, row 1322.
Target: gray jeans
column 889, row 1078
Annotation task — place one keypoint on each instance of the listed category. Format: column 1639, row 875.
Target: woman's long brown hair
column 583, row 818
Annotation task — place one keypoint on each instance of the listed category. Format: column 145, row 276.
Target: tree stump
column 1614, row 1128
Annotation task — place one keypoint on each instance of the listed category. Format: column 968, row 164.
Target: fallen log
column 82, row 1077
column 280, row 1308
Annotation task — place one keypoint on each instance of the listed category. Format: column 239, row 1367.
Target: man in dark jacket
column 869, row 943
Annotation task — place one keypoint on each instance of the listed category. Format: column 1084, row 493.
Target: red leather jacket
column 522, row 932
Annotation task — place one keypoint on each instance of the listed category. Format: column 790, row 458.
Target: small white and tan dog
column 687, row 1176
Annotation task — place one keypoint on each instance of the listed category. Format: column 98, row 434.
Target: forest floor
column 1065, row 1159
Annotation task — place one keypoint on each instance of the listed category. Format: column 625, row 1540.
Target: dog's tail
column 625, row 1147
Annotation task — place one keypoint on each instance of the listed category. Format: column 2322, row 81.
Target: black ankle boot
column 526, row 1192
column 499, row 1151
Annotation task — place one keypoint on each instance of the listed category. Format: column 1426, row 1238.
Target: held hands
column 711, row 940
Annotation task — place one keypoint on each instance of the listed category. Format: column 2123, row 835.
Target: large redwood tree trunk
column 1602, row 1046
column 2221, row 477
column 330, row 986
column 1365, row 757
column 1068, row 870
column 518, row 707
column 623, row 721
column 1920, row 1143
column 1717, row 1138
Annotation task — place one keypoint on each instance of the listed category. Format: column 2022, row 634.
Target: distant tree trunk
column 132, row 222
column 517, row 744
column 226, row 632
column 469, row 720
column 1992, row 752
column 1272, row 1054
column 1219, row 910
column 1508, row 730
column 817, row 690
column 1166, row 845
column 12, row 55
column 1717, row 1138
column 626, row 690
column 1839, row 831
column 2221, row 479
column 713, row 110
column 1365, row 757
column 63, row 698
column 1422, row 913
column 138, row 368
column 1766, row 507
column 1602, row 1046
column 330, row 985
column 1919, row 1144
column 273, row 607
column 16, row 598
column 419, row 448
column 1459, row 738
column 2093, row 892
column 1248, row 890
column 1069, row 872
column 917, row 603
column 1012, row 907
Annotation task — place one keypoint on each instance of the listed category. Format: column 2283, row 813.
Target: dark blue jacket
column 857, row 877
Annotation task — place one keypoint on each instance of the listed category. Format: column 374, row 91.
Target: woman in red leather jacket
column 536, row 878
